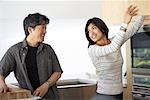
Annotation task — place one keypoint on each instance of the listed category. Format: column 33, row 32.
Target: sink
column 70, row 83
column 74, row 83
column 76, row 89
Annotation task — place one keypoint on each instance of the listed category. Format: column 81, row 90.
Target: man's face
column 39, row 32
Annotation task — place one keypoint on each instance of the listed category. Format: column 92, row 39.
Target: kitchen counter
column 80, row 89
column 68, row 89
column 15, row 93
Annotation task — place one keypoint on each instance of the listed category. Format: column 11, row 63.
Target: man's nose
column 45, row 32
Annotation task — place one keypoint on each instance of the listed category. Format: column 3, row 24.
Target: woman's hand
column 130, row 12
column 42, row 90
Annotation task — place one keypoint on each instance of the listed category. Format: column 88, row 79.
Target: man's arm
column 53, row 79
column 42, row 90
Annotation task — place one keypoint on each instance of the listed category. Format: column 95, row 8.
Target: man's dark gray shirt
column 47, row 63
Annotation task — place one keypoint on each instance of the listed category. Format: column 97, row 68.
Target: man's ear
column 30, row 29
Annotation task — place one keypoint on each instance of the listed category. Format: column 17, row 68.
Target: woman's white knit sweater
column 108, row 60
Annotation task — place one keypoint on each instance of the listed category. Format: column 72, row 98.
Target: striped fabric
column 108, row 60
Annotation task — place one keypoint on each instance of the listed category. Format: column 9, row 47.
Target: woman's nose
column 91, row 32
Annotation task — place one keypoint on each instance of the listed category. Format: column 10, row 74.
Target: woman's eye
column 94, row 27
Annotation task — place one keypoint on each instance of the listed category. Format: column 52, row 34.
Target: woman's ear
column 30, row 29
column 103, row 31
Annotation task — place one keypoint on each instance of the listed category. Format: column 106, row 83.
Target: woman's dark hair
column 32, row 20
column 100, row 24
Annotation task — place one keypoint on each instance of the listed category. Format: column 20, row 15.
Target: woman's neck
column 103, row 42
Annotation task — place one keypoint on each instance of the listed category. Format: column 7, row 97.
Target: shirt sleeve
column 55, row 63
column 7, row 63
column 117, row 41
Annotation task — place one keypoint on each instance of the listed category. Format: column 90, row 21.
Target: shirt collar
column 25, row 45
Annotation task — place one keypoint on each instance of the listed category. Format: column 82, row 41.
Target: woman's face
column 94, row 32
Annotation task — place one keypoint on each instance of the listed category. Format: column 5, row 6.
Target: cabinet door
column 88, row 92
column 74, row 93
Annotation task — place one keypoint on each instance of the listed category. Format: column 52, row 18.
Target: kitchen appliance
column 140, row 44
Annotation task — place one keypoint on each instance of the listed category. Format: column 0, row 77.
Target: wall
column 65, row 32
column 16, row 9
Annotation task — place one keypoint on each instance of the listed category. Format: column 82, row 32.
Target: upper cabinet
column 144, row 7
column 112, row 12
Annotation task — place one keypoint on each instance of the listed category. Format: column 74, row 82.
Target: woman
column 106, row 55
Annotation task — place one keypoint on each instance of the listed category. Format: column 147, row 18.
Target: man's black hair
column 32, row 20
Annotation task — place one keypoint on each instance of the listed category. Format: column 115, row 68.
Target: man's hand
column 42, row 90
column 130, row 12
column 3, row 86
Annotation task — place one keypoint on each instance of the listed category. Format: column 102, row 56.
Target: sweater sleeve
column 133, row 28
column 118, row 40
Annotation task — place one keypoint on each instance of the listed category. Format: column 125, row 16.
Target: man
column 35, row 64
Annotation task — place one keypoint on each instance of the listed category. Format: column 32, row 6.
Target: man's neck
column 31, row 42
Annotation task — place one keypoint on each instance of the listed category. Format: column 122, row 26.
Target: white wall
column 65, row 32
column 53, row 9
